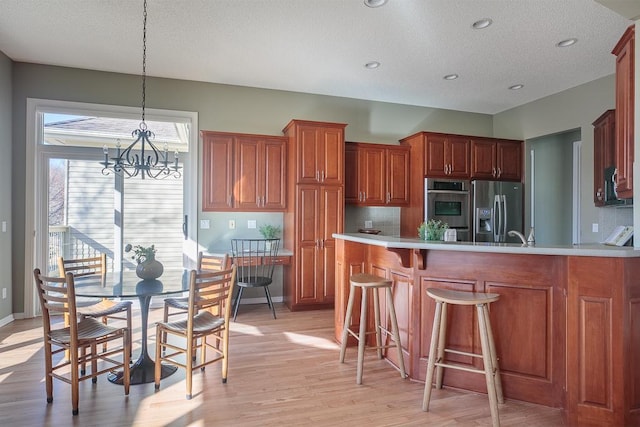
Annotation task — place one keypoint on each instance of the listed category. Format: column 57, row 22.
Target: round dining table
column 127, row 285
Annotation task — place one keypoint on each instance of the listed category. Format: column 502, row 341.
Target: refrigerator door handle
column 504, row 216
column 497, row 229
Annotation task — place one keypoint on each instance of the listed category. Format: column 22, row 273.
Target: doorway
column 554, row 173
column 80, row 209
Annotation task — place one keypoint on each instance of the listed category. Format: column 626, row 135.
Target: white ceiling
column 321, row 46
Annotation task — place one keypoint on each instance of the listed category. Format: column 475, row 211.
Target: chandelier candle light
column 153, row 163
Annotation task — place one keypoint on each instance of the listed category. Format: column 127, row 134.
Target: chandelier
column 147, row 161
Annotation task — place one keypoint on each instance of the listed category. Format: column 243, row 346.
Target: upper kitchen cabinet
column 604, row 152
column 446, row 156
column 376, row 174
column 496, row 159
column 217, row 171
column 625, row 52
column 260, row 173
column 320, row 151
column 243, row 172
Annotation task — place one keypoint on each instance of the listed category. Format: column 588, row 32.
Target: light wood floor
column 281, row 372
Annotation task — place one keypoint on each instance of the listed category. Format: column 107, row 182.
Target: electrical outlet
column 4, row 293
column 368, row 224
column 252, row 223
column 232, row 224
column 205, row 224
column 594, row 227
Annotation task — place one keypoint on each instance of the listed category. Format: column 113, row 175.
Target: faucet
column 520, row 235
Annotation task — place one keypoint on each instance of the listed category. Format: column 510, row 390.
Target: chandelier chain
column 144, row 59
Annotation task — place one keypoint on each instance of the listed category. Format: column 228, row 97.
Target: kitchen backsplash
column 385, row 219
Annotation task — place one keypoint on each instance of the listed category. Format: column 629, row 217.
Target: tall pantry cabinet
column 315, row 210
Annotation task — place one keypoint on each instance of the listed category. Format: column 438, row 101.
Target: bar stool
column 438, row 342
column 366, row 282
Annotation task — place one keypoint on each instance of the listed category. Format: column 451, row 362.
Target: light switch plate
column 205, row 224
column 368, row 224
column 4, row 226
column 252, row 223
column 232, row 224
column 594, row 227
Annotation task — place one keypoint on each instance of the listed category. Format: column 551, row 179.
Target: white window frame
column 36, row 154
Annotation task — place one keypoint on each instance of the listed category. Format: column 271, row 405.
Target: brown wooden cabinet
column 217, row 171
column 496, row 159
column 260, row 173
column 625, row 93
column 243, row 172
column 376, row 174
column 604, row 152
column 315, row 211
column 446, row 156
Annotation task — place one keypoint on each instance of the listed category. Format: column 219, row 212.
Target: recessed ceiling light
column 451, row 77
column 371, row 65
column 567, row 42
column 375, row 3
column 482, row 23
column 516, row 87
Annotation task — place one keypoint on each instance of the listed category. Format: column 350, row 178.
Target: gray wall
column 5, row 185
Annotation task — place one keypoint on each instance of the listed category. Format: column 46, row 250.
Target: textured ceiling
column 321, row 46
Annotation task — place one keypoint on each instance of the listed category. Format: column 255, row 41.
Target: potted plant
column 269, row 231
column 432, row 230
column 148, row 267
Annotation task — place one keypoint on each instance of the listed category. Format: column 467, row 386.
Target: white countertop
column 594, row 249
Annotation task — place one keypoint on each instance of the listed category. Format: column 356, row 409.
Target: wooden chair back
column 213, row 262
column 81, row 267
column 210, row 291
column 57, row 297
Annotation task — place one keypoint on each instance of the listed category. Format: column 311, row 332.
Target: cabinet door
column 351, row 174
column 332, row 220
column 458, row 157
column 435, row 160
column 273, row 166
column 372, row 175
column 397, row 176
column 509, row 161
column 483, row 155
column 625, row 113
column 217, row 172
column 308, row 171
column 247, row 173
column 308, row 244
column 604, row 145
column 331, row 156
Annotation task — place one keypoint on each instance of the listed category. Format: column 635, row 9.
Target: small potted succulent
column 432, row 230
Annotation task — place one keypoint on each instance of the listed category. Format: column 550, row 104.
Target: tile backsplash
column 386, row 219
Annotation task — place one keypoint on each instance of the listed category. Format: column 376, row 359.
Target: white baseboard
column 10, row 318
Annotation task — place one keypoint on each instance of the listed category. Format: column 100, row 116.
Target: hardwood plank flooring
column 281, row 372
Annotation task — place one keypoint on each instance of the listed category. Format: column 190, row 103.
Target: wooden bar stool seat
column 367, row 282
column 437, row 349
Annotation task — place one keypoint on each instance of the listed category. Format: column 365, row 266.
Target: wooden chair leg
column 158, row 366
column 189, row 367
column 433, row 348
column 494, row 355
column 75, row 380
column 347, row 323
column 378, row 324
column 396, row 332
column 225, row 354
column 488, row 366
column 442, row 338
column 48, row 363
column 94, row 363
column 126, row 356
column 362, row 336
column 165, row 318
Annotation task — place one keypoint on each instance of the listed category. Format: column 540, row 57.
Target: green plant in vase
column 148, row 267
column 269, row 231
column 432, row 230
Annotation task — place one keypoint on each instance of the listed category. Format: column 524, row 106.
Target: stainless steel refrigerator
column 497, row 209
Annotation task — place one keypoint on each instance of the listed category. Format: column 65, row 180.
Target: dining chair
column 80, row 338
column 256, row 260
column 105, row 308
column 209, row 293
column 180, row 305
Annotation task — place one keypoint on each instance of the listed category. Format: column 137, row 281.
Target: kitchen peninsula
column 567, row 325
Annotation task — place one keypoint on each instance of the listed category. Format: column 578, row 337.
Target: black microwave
column 610, row 193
